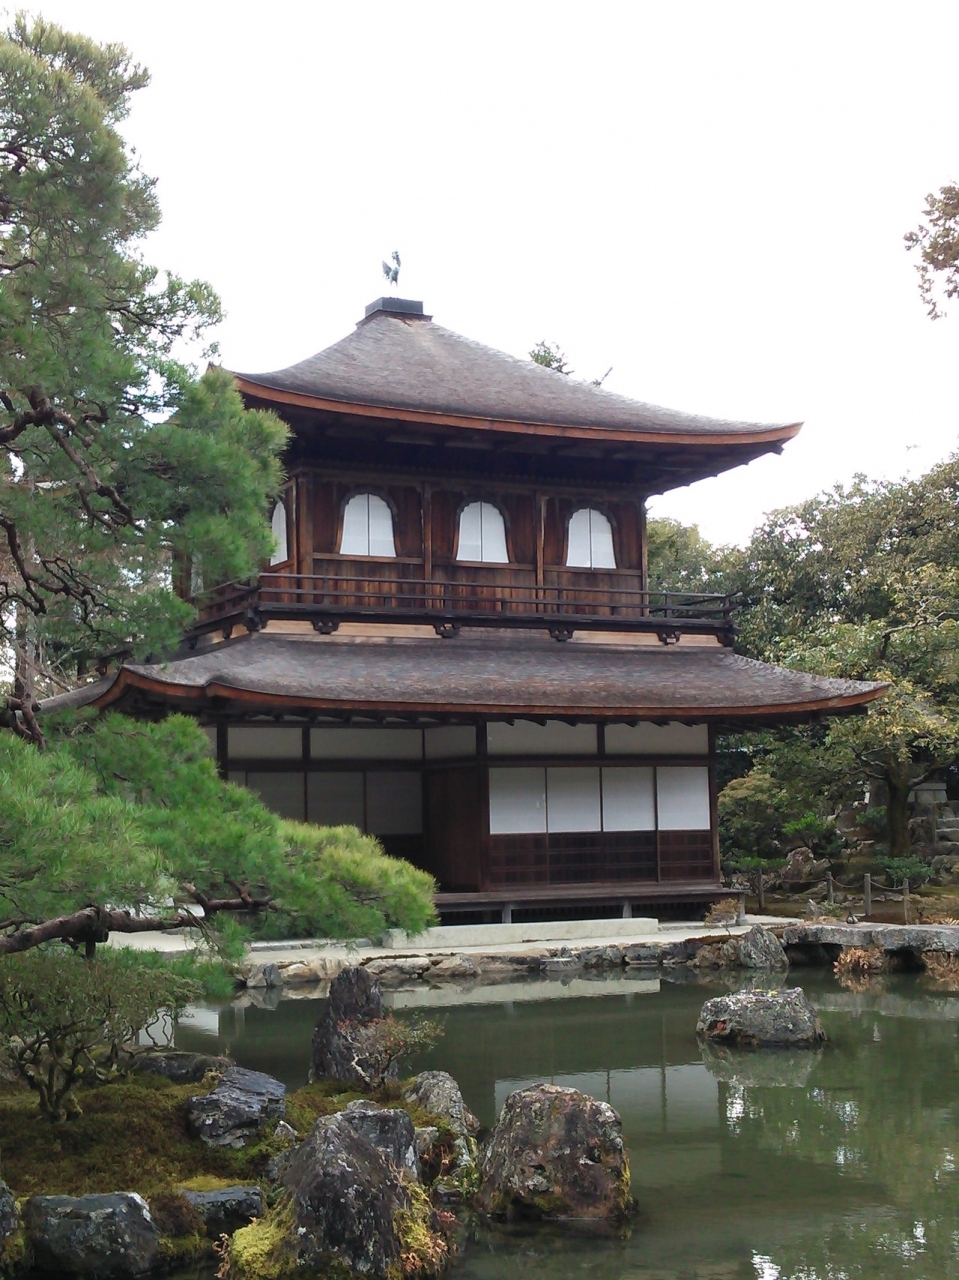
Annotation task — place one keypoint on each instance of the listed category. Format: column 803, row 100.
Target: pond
column 842, row 1165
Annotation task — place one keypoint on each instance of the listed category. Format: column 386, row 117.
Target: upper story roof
column 399, row 364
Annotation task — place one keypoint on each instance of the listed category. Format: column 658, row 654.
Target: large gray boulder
column 110, row 1237
column 755, row 1019
column 238, row 1109
column 760, row 949
column 556, row 1153
column 226, row 1210
column 389, row 1129
column 355, row 1001
column 344, row 1197
column 438, row 1093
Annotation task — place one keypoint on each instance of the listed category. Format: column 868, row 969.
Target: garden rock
column 760, row 949
column 453, row 967
column 242, row 1104
column 556, row 1153
column 224, row 1212
column 802, row 867
column 754, row 1019
column 438, row 1093
column 264, row 975
column 179, row 1067
column 389, row 1129
column 344, row 1196
column 355, row 1000
column 109, row 1237
column 646, row 954
column 9, row 1216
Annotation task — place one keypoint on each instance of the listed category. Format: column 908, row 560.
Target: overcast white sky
column 710, row 197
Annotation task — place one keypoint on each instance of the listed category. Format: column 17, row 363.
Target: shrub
column 381, row 1043
column 65, row 1019
column 752, row 813
column 911, row 868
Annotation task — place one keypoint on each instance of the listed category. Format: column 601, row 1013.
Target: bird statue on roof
column 392, row 273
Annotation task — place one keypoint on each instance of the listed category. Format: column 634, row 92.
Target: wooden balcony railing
column 327, row 600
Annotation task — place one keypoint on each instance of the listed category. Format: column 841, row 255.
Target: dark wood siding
column 454, row 827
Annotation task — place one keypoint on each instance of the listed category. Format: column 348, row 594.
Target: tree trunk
column 897, row 817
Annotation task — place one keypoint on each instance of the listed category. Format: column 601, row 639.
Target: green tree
column 861, row 583
column 680, row 558
column 125, row 826
column 114, row 461
column 936, row 240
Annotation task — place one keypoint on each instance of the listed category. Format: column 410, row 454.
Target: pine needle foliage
column 117, row 463
column 124, row 825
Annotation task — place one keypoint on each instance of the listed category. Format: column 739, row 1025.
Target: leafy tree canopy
column 680, row 558
column 114, row 459
column 861, row 583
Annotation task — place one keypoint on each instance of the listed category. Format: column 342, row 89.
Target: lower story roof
column 475, row 674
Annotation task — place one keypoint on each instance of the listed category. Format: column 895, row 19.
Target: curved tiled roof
column 519, row 674
column 407, row 363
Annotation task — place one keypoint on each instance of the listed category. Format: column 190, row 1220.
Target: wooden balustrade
column 567, row 603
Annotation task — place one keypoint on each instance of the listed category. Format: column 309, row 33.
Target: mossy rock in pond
column 556, row 1153
column 344, row 1211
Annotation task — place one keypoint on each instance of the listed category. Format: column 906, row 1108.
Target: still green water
column 839, row 1165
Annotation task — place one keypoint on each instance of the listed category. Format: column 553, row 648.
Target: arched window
column 367, row 527
column 589, row 543
column 482, row 534
column 281, row 549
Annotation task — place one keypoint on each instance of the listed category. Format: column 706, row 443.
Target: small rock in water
column 355, row 1000
column 754, row 1019
column 556, row 1153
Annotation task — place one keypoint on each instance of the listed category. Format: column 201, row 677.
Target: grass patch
column 132, row 1136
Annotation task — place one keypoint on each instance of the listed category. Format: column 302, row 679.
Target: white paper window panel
column 517, row 801
column 210, row 731
column 253, row 742
column 366, row 744
column 628, row 799
column 572, row 800
column 589, row 540
column 278, row 526
column 335, row 799
column 524, row 738
column 367, row 527
column 281, row 792
column 394, row 804
column 673, row 739
column 450, row 742
column 683, row 798
column 482, row 534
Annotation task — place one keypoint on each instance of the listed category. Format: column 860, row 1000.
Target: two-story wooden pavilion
column 455, row 646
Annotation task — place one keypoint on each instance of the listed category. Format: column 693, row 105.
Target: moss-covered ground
column 132, row 1136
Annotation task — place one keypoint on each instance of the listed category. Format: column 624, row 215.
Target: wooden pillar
column 643, row 546
column 426, row 502
column 713, row 803
column 482, row 766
